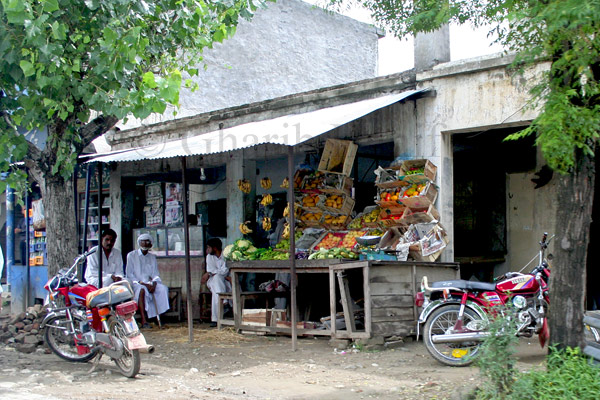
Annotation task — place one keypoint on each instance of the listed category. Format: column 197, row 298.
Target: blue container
column 377, row 255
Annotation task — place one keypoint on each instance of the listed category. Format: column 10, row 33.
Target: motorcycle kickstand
column 96, row 363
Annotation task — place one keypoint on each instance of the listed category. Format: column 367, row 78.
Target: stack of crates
column 37, row 244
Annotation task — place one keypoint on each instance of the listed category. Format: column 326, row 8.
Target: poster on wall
column 174, row 194
column 153, row 190
column 153, row 211
column 173, row 214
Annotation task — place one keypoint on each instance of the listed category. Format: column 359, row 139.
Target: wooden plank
column 332, row 302
column 351, row 335
column 402, row 313
column 399, row 289
column 390, row 274
column 367, row 299
column 434, row 273
column 346, row 306
column 391, row 301
column 286, row 330
column 237, row 306
column 393, row 329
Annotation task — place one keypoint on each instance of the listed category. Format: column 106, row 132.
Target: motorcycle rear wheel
column 129, row 364
column 61, row 342
column 452, row 354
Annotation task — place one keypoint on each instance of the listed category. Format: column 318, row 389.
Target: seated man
column 142, row 271
column 112, row 262
column 217, row 275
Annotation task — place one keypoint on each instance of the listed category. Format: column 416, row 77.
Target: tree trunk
column 568, row 277
column 61, row 226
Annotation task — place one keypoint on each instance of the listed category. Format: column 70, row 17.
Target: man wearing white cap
column 142, row 271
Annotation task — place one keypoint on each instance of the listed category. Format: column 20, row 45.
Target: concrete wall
column 290, row 47
column 474, row 96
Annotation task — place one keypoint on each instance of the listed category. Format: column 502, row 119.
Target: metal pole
column 292, row 222
column 27, row 252
column 186, row 232
column 99, row 169
column 10, row 232
column 86, row 209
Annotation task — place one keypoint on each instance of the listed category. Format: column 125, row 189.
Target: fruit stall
column 374, row 280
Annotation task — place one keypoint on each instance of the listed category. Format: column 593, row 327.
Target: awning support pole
column 188, row 272
column 292, row 222
column 100, row 250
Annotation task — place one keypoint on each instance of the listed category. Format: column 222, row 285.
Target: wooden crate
column 335, row 226
column 366, row 212
column 420, row 215
column 338, row 156
column 315, row 208
column 337, row 184
column 312, row 183
column 310, row 222
column 327, row 236
column 429, row 170
column 345, row 208
column 425, row 199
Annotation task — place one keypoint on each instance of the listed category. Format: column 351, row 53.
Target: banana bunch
column 265, row 183
column 244, row 228
column 285, row 184
column 266, row 199
column 244, row 185
column 286, row 231
column 266, row 223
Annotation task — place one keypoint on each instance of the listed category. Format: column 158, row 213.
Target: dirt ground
column 226, row 365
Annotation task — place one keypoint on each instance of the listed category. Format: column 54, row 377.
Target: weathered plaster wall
column 474, row 96
column 290, row 47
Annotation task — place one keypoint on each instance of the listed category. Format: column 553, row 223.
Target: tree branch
column 96, row 128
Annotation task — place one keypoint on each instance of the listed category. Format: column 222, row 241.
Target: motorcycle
column 84, row 322
column 455, row 312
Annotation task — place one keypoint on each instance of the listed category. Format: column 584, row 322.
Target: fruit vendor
column 216, row 276
column 142, row 271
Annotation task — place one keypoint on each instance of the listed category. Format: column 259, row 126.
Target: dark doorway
column 481, row 162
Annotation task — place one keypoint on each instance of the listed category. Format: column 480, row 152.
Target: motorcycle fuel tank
column 518, row 284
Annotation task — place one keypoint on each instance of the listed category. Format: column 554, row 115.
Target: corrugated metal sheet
column 287, row 130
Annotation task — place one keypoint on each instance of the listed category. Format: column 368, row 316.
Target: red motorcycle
column 84, row 322
column 455, row 313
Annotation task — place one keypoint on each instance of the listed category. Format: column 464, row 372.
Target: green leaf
column 27, row 67
column 148, row 80
column 50, row 5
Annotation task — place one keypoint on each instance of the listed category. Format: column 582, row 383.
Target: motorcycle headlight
column 520, row 302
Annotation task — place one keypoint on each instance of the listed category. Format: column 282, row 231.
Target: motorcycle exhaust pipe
column 460, row 337
column 148, row 349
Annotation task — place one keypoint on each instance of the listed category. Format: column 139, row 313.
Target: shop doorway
column 482, row 161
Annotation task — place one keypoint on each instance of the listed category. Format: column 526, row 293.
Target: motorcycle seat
column 464, row 285
column 113, row 294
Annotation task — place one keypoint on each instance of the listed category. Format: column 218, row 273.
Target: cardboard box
column 390, row 238
column 389, row 217
column 420, row 215
column 426, row 198
column 429, row 170
column 338, row 156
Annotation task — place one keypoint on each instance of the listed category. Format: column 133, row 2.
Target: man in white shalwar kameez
column 216, row 276
column 112, row 262
column 142, row 271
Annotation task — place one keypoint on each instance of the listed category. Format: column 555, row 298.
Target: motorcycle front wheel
column 440, row 322
column 60, row 339
column 129, row 363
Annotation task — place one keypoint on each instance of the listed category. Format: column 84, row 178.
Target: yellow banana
column 244, row 185
column 285, row 184
column 286, row 231
column 266, row 200
column 265, row 183
column 266, row 223
column 244, row 228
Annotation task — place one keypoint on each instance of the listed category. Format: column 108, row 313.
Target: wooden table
column 389, row 289
column 273, row 266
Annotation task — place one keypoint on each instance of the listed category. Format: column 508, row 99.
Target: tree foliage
column 564, row 32
column 67, row 63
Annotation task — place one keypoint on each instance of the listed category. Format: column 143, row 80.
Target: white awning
column 287, row 130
